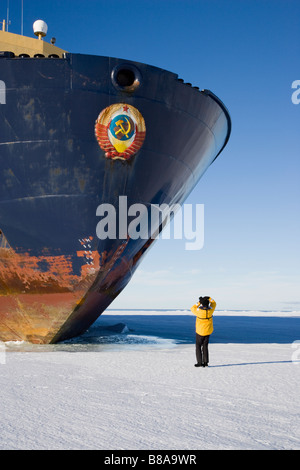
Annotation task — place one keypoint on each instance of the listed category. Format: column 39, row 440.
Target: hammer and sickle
column 121, row 127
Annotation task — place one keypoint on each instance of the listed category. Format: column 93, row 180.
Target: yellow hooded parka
column 204, row 321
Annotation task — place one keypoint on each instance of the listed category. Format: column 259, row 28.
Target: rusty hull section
column 38, row 293
column 54, row 304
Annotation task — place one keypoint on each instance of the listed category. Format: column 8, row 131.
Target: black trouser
column 202, row 349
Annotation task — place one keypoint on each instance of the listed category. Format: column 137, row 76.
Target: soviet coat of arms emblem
column 120, row 130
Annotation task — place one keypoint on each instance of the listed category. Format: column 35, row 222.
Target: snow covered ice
column 130, row 383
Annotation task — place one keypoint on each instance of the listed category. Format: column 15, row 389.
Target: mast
column 22, row 17
column 7, row 15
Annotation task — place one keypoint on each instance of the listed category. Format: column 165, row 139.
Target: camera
column 204, row 301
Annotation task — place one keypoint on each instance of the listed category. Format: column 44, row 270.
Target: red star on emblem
column 125, row 108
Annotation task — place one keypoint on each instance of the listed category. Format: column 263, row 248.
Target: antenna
column 7, row 18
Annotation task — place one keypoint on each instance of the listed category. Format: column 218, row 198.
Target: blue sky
column 247, row 52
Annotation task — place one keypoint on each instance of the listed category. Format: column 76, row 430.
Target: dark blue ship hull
column 56, row 275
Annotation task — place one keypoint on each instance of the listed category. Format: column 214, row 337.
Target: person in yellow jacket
column 204, row 310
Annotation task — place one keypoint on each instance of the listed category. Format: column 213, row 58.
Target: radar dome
column 40, row 28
